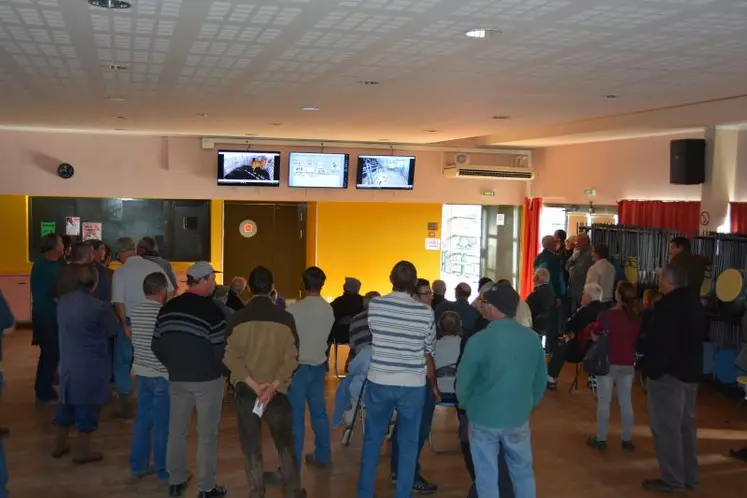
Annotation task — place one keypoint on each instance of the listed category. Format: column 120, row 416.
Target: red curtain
column 530, row 241
column 681, row 216
column 738, row 217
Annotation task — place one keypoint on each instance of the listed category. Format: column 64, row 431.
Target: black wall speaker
column 687, row 161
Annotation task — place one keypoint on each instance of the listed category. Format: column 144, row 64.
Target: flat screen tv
column 386, row 172
column 248, row 168
column 317, row 170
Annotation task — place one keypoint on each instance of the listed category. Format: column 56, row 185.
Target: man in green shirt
column 500, row 380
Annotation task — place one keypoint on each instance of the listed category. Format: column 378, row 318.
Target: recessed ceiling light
column 203, row 114
column 431, row 131
column 369, row 82
column 111, row 4
column 310, row 108
column 501, row 117
column 116, row 99
column 482, row 33
column 111, row 66
column 119, row 117
column 610, row 96
column 276, row 124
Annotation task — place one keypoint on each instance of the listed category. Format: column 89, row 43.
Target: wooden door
column 279, row 243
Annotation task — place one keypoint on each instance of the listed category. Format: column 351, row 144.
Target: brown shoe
column 62, row 446
column 82, row 452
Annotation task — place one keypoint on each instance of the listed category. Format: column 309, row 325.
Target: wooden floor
column 565, row 467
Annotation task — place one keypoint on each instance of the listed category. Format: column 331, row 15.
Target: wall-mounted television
column 248, row 168
column 386, row 172
column 317, row 170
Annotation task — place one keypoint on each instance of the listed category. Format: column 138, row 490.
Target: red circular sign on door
column 248, row 228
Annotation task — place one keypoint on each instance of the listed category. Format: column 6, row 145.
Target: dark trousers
column 46, row 337
column 85, row 418
column 505, row 486
column 279, row 417
column 672, row 417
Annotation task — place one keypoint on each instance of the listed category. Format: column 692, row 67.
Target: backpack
column 597, row 358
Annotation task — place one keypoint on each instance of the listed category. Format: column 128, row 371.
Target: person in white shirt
column 314, row 319
column 127, row 292
column 602, row 272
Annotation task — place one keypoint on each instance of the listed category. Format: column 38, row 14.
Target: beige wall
column 621, row 169
column 127, row 166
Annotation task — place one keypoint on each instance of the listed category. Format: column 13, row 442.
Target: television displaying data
column 316, row 170
column 248, row 168
column 386, row 172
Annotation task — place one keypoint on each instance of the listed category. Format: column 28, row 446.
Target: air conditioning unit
column 504, row 167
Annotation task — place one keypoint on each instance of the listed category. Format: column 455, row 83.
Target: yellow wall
column 365, row 240
column 14, row 232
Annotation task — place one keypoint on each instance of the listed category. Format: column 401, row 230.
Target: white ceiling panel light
column 310, row 108
column 111, row 4
column 483, row 33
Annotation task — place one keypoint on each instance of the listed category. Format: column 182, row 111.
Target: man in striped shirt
column 404, row 335
column 152, row 419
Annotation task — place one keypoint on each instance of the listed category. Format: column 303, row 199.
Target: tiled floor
column 565, row 467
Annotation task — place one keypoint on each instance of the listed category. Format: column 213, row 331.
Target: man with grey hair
column 542, row 303
column 674, row 364
column 439, row 293
column 549, row 260
column 148, row 249
column 127, row 292
column 235, row 289
column 569, row 348
column 578, row 265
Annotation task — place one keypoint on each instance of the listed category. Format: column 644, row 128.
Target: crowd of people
column 409, row 350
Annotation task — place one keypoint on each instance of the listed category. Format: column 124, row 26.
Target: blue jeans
column 151, row 427
column 46, row 337
column 307, row 386
column 426, row 420
column 486, row 444
column 122, row 362
column 381, row 401
column 84, row 417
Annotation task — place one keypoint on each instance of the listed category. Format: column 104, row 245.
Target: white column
column 722, row 155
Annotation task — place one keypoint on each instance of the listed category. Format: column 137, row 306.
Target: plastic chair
column 434, row 449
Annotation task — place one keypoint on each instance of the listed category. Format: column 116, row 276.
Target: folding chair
column 360, row 411
column 574, row 384
column 335, row 345
column 440, row 451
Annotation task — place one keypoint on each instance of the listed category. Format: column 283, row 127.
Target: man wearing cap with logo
column 189, row 340
column 500, row 380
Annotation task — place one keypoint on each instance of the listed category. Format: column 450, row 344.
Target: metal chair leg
column 574, row 384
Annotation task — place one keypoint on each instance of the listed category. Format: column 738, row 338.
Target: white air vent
column 504, row 166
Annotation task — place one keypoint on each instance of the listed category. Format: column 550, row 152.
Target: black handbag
column 597, row 358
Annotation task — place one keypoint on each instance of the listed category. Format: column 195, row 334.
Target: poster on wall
column 432, row 244
column 91, row 231
column 72, row 225
column 48, row 227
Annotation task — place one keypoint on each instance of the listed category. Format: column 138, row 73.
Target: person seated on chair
column 360, row 333
column 570, row 348
column 345, row 307
column 542, row 304
column 446, row 356
column 349, row 391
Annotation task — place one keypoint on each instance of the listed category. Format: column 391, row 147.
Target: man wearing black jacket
column 674, row 363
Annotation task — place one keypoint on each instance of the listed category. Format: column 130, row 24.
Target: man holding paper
column 262, row 353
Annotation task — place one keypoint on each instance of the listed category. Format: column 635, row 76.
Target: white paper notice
column 91, row 231
column 500, row 219
column 259, row 409
column 72, row 225
column 432, row 244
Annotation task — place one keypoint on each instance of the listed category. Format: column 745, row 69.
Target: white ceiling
column 251, row 64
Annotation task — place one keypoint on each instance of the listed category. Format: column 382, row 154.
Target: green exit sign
column 590, row 191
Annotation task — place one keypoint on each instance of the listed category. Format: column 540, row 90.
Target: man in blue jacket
column 549, row 260
column 500, row 380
